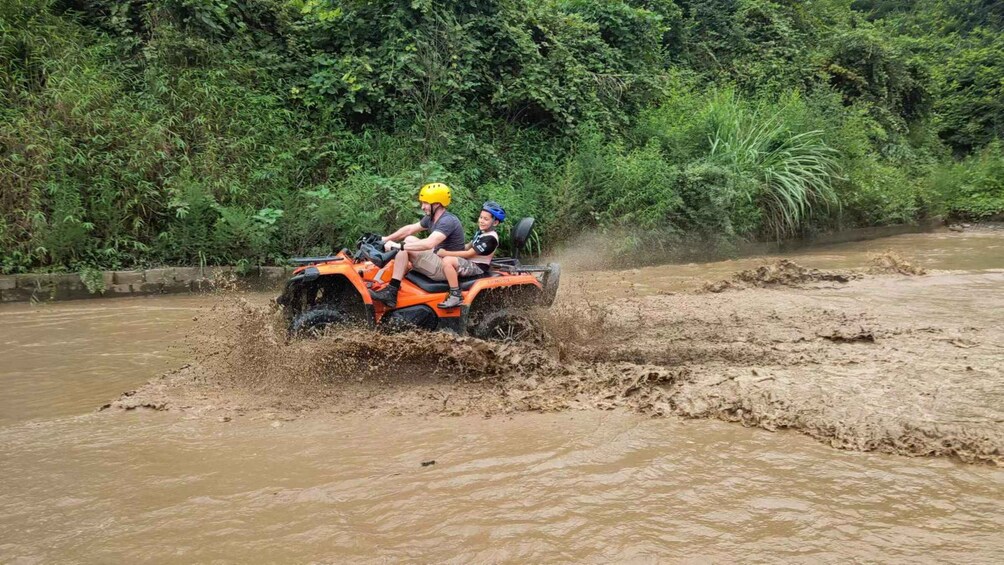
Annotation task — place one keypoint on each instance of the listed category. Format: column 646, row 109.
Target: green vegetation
column 139, row 132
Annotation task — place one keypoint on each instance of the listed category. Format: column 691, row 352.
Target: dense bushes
column 229, row 131
column 973, row 188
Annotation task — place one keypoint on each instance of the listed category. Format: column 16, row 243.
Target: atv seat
column 430, row 286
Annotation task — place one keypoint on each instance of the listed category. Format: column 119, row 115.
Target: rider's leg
column 401, row 261
column 388, row 295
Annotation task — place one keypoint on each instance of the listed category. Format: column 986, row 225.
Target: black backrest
column 521, row 233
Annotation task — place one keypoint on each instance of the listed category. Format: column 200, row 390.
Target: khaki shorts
column 428, row 263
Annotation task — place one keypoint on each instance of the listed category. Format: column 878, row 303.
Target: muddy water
column 67, row 358
column 978, row 250
column 301, row 484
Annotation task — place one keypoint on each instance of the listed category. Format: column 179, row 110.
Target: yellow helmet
column 435, row 193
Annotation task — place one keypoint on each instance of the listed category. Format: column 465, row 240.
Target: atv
column 333, row 290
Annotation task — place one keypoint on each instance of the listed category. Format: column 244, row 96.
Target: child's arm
column 467, row 253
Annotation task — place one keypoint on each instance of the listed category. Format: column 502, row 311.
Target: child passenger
column 476, row 258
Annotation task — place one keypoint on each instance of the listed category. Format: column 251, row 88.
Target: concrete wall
column 42, row 287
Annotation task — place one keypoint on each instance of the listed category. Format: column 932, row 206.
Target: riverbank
column 45, row 287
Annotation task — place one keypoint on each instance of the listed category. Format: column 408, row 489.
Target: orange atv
column 332, row 290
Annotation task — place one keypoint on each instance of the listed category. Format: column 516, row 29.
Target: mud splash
column 782, row 272
column 808, row 358
column 891, row 262
column 787, row 273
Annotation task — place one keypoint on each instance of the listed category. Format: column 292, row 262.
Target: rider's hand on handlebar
column 391, row 245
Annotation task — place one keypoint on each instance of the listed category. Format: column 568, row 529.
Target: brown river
column 844, row 407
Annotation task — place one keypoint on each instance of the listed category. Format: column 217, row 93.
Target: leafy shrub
column 882, row 194
column 972, row 188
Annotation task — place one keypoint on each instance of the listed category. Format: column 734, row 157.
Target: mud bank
column 896, row 364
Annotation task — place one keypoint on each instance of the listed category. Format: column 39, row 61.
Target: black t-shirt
column 450, row 226
column 485, row 244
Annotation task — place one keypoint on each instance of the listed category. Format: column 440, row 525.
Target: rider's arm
column 404, row 231
column 434, row 239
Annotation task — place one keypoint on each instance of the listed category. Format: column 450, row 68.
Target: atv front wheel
column 508, row 325
column 313, row 322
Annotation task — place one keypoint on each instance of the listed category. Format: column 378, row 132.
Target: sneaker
column 387, row 295
column 452, row 301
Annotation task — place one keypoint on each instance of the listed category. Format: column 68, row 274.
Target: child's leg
column 455, row 298
column 450, row 271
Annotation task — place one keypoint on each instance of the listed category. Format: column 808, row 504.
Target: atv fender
column 310, row 274
column 302, row 290
column 513, row 282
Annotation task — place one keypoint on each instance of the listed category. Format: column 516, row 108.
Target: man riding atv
column 484, row 296
column 420, row 254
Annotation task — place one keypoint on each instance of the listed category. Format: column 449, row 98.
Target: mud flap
column 455, row 324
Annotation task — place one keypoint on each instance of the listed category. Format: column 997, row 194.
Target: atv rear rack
column 312, row 260
column 513, row 267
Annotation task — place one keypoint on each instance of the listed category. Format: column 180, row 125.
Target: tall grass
column 794, row 171
column 715, row 164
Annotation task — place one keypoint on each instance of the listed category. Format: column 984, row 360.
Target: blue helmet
column 494, row 209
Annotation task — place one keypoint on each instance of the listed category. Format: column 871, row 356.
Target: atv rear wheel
column 550, row 284
column 313, row 322
column 508, row 325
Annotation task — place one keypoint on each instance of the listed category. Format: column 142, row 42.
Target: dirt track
column 894, row 363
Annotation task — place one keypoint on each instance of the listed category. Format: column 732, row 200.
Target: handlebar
column 375, row 255
column 370, row 247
